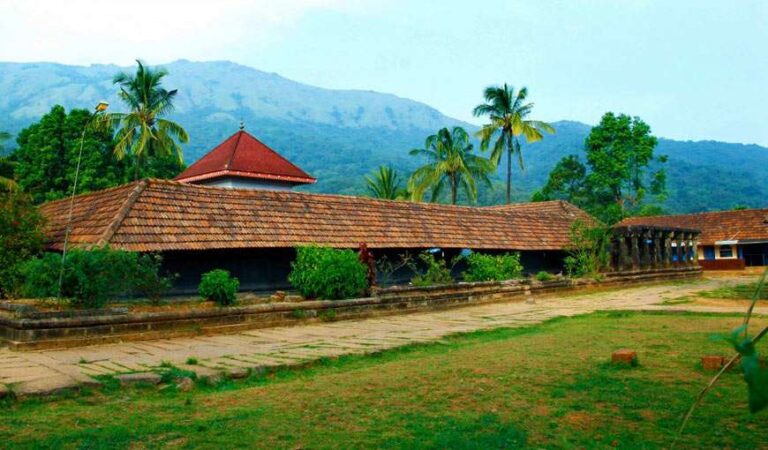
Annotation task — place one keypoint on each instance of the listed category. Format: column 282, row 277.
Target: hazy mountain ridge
column 340, row 135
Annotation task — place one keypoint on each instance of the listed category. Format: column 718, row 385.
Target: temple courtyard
column 30, row 373
column 504, row 375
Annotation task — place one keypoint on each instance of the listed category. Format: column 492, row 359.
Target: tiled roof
column 242, row 155
column 157, row 215
column 741, row 225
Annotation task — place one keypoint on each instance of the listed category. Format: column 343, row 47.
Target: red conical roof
column 244, row 156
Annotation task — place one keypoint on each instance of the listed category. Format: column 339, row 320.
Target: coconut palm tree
column 451, row 164
column 144, row 132
column 508, row 114
column 385, row 183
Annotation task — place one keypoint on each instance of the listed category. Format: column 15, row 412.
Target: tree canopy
column 143, row 132
column 508, row 112
column 385, row 183
column 621, row 170
column 451, row 165
column 46, row 158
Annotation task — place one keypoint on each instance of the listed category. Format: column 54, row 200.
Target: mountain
column 341, row 135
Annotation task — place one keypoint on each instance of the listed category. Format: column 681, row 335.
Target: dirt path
column 42, row 372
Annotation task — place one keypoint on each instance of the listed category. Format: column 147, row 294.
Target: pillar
column 624, row 262
column 634, row 250
column 668, row 249
column 679, row 248
column 695, row 245
column 657, row 249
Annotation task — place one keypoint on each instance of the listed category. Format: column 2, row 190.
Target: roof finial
column 242, row 125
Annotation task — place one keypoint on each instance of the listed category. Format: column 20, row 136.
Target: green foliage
column 385, row 183
column 144, row 132
column 92, row 277
column 219, row 286
column 744, row 291
column 451, row 164
column 508, row 114
column 435, row 271
column 620, row 154
column 588, row 251
column 543, row 275
column 493, row 267
column 46, row 158
column 327, row 273
column 147, row 279
column 21, row 237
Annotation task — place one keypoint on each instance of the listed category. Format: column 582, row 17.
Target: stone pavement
column 236, row 355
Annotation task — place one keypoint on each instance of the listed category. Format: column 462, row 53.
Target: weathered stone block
column 624, row 356
column 139, row 378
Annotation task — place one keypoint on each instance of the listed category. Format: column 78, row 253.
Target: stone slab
column 139, row 378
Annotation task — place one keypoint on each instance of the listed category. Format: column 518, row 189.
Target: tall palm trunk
column 454, row 189
column 509, row 168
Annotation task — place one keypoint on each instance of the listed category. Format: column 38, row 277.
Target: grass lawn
column 544, row 386
column 743, row 291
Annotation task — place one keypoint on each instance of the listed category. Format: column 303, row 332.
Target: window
column 726, row 251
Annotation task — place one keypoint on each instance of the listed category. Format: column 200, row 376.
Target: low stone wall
column 24, row 328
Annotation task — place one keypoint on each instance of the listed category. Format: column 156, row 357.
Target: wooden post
column 635, row 250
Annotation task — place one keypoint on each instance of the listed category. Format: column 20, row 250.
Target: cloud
column 110, row 31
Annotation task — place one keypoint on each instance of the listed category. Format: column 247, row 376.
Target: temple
column 244, row 162
column 648, row 247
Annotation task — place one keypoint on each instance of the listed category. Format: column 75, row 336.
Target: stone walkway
column 236, row 355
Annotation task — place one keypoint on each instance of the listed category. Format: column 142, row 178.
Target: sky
column 692, row 69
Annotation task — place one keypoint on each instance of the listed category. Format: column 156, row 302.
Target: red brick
column 624, row 356
column 712, row 362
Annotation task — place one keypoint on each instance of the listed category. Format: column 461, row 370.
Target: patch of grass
column 298, row 314
column 743, row 291
column 549, row 385
column 192, row 361
column 678, row 300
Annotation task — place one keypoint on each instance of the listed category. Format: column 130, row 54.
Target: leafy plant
column 755, row 373
column 436, row 272
column 483, row 267
column 588, row 252
column 327, row 273
column 21, row 237
column 90, row 277
column 543, row 275
column 147, row 280
column 219, row 286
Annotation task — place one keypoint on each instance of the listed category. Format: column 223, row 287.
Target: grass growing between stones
column 548, row 385
column 736, row 292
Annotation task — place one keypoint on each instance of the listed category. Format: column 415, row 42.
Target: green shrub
column 147, row 280
column 589, row 250
column 90, row 277
column 327, row 273
column 20, row 239
column 493, row 267
column 437, row 271
column 219, row 286
column 543, row 276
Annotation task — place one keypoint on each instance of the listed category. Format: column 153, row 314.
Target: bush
column 147, row 280
column 437, row 271
column 219, row 286
column 588, row 251
column 543, row 276
column 20, row 239
column 493, row 267
column 327, row 273
column 92, row 277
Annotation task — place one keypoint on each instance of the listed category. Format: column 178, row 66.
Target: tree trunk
column 454, row 189
column 509, row 174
